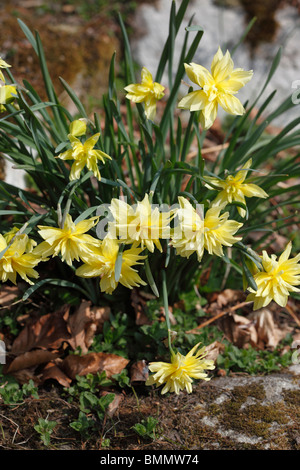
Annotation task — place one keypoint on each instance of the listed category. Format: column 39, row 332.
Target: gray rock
column 224, row 27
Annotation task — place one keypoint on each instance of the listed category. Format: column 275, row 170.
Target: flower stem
column 166, row 307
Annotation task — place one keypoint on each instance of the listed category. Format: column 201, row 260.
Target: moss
column 268, row 414
column 292, row 397
column 252, row 420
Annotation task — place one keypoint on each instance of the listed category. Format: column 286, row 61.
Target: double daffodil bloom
column 219, row 231
column 102, row 261
column 71, row 241
column 144, row 224
column 235, row 188
column 83, row 155
column 17, row 259
column 217, row 88
column 3, row 65
column 188, row 234
column 196, row 232
column 179, row 374
column 147, row 91
column 277, row 280
column 13, row 233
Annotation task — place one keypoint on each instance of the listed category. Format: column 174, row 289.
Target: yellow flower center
column 211, row 90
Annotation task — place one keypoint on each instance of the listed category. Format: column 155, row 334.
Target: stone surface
column 224, row 27
column 240, row 412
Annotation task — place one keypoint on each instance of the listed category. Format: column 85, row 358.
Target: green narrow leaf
column 74, row 98
column 164, row 55
column 54, row 282
column 118, row 263
column 150, row 278
column 111, row 77
column 244, row 35
column 248, row 275
column 29, row 35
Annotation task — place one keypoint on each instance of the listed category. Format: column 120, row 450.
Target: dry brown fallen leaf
column 224, row 298
column 52, row 371
column 8, row 294
column 92, row 363
column 23, row 376
column 238, row 330
column 258, row 329
column 140, row 305
column 84, row 323
column 213, row 350
column 114, row 405
column 29, row 359
column 139, row 372
column 47, row 332
column 268, row 333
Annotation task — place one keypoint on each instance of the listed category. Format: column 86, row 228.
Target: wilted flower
column 147, row 91
column 196, row 232
column 17, row 259
column 277, row 280
column 178, row 374
column 217, row 88
column 236, row 188
column 3, row 65
column 71, row 241
column 102, row 262
column 83, row 155
column 144, row 224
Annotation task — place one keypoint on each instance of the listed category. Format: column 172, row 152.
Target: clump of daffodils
column 180, row 372
column 218, row 87
column 83, row 153
column 276, row 280
column 147, row 92
column 235, row 188
column 17, row 258
column 101, row 262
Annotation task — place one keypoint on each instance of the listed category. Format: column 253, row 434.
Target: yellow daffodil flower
column 102, row 260
column 16, row 260
column 3, row 65
column 13, row 233
column 196, row 232
column 147, row 91
column 219, row 231
column 236, row 188
column 179, row 374
column 7, row 94
column 188, row 234
column 217, row 88
column 83, row 155
column 71, row 241
column 145, row 224
column 277, row 280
